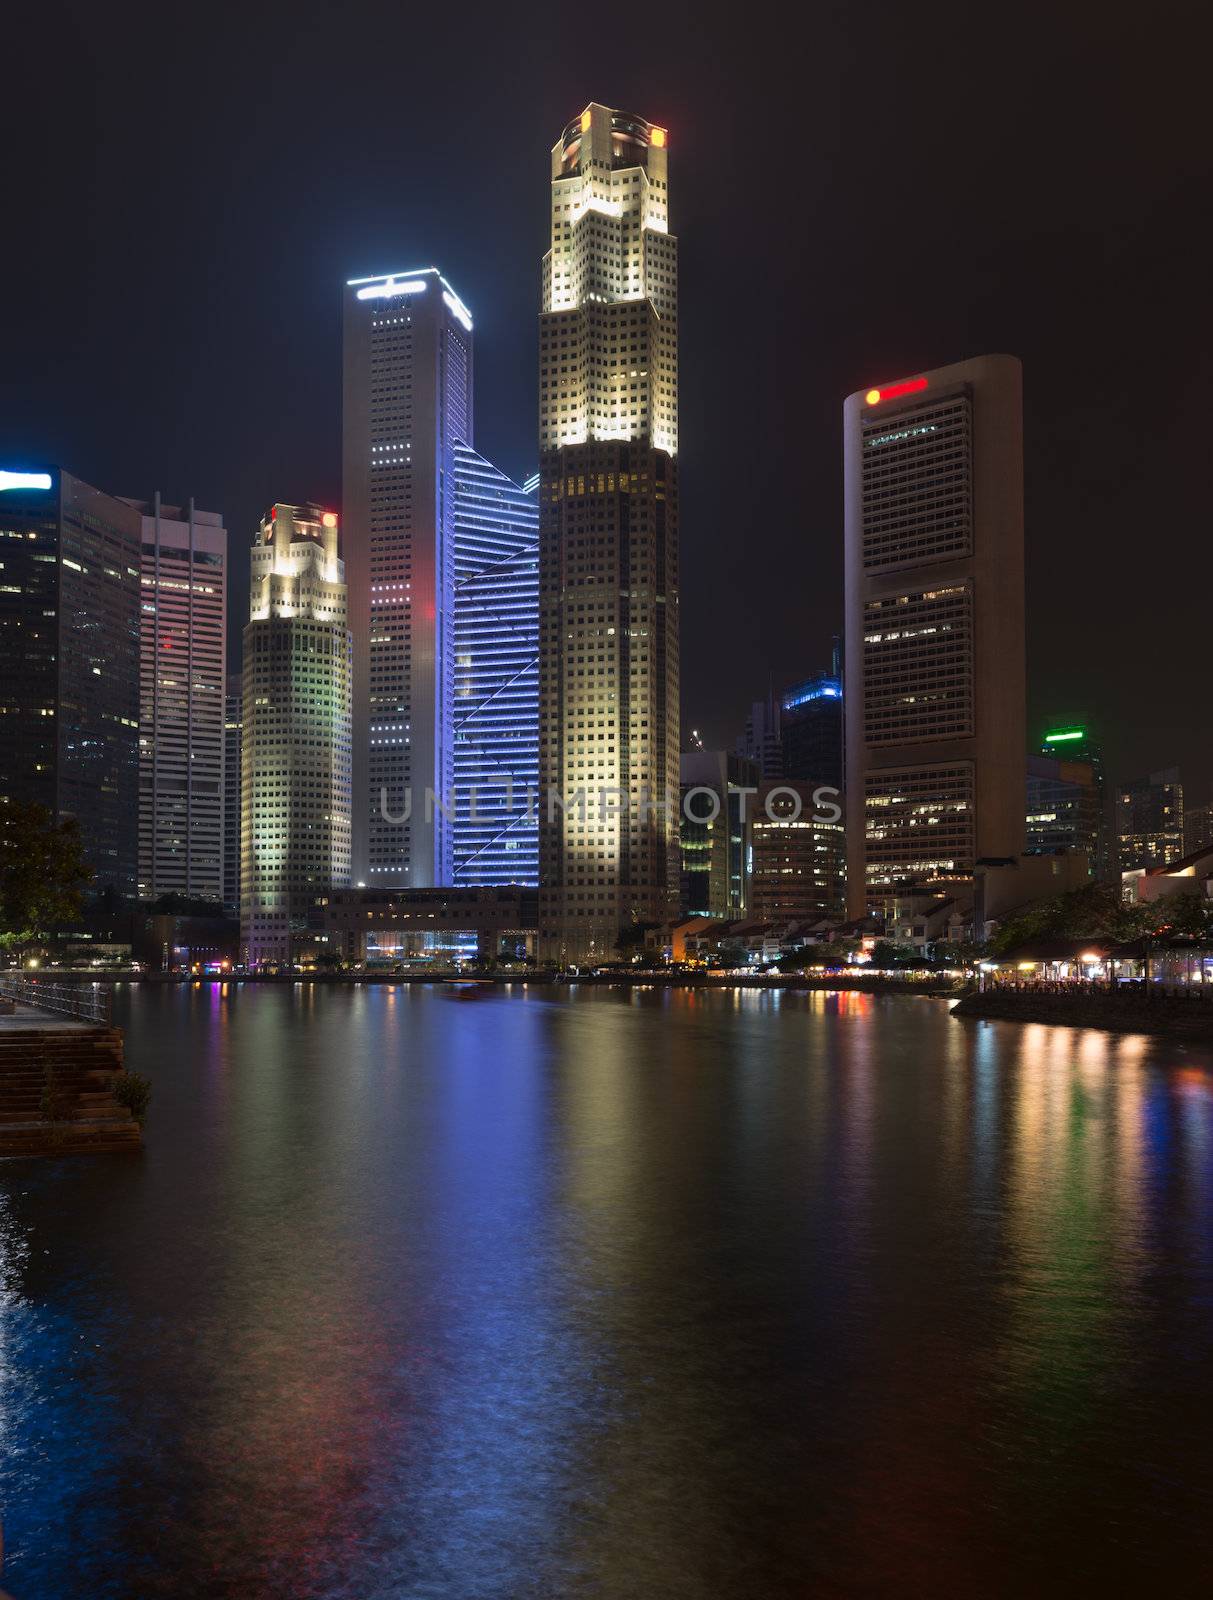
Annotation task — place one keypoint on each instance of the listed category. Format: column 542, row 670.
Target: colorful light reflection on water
column 669, row 1293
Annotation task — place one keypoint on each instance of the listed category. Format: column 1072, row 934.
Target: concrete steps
column 84, row 1061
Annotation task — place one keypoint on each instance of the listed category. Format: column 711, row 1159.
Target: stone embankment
column 56, row 1094
column 1124, row 1011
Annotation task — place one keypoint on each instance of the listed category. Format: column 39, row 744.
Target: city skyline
column 1013, row 250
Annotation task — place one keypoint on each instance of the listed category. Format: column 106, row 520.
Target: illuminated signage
column 1065, row 736
column 457, row 308
column 24, row 480
column 892, row 391
column 387, row 291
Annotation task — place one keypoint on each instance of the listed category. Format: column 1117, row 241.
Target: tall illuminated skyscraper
column 934, row 627
column 295, row 757
column 183, row 636
column 496, row 678
column 608, row 538
column 407, row 402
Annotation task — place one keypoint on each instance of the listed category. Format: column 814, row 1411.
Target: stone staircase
column 84, row 1061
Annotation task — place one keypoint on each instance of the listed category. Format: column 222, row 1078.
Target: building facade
column 182, row 650
column 1150, row 820
column 608, row 539
column 799, row 858
column 1065, row 797
column 935, row 716
column 1198, row 827
column 407, row 401
column 810, row 720
column 70, row 560
column 715, row 818
column 295, row 763
column 233, row 727
column 495, row 734
column 438, row 925
column 761, row 739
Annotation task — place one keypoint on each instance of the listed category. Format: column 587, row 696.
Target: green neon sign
column 1064, row 737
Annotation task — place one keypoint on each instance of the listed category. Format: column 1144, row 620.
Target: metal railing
column 87, row 1002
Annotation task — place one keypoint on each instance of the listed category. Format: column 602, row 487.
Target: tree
column 888, row 953
column 43, row 873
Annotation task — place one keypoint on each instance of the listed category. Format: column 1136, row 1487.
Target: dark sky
column 860, row 191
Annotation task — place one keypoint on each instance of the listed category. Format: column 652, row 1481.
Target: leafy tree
column 888, row 953
column 1098, row 911
column 632, row 935
column 43, row 874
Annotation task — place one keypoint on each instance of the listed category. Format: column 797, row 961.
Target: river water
column 596, row 1293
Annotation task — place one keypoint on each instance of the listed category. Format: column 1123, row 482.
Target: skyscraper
column 715, row 832
column 934, row 626
column 1150, row 820
column 799, row 858
column 233, row 727
column 183, row 635
column 495, row 705
column 762, row 739
column 1065, row 797
column 295, row 764
column 407, row 402
column 810, row 724
column 608, row 538
column 69, row 661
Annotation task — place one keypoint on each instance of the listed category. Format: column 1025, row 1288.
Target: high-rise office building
column 233, row 728
column 69, row 662
column 761, row 740
column 810, row 723
column 799, row 858
column 1150, row 820
column 608, row 538
column 1065, row 797
column 495, row 702
column 934, row 627
column 407, row 402
column 183, row 637
column 1198, row 827
column 715, row 819
column 295, row 760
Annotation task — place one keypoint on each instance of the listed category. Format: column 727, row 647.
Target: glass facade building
column 407, row 401
column 810, row 720
column 69, row 662
column 495, row 707
column 183, row 638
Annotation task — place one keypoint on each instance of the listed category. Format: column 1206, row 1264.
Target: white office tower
column 407, row 401
column 295, row 759
column 182, row 643
column 608, row 539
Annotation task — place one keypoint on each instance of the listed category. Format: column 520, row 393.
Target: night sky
column 860, row 192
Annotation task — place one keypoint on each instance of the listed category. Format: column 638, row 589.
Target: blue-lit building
column 495, row 731
column 810, row 722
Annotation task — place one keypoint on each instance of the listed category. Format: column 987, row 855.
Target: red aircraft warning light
column 892, row 391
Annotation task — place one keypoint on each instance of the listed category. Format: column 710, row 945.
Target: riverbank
column 57, row 1087
column 873, row 983
column 1126, row 1011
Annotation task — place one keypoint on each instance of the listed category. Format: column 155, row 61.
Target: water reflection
column 618, row 1293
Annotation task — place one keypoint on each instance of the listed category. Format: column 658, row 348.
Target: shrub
column 132, row 1090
